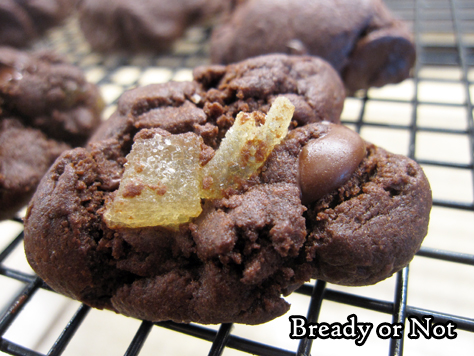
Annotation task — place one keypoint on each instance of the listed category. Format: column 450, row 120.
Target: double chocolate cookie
column 46, row 106
column 324, row 204
column 142, row 26
column 21, row 22
column 361, row 39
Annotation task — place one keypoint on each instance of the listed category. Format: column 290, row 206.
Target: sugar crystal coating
column 160, row 185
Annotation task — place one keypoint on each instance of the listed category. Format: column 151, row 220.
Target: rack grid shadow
column 428, row 117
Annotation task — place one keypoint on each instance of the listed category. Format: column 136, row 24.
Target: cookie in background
column 46, row 107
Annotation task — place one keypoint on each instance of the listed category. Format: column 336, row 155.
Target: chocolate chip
column 327, row 162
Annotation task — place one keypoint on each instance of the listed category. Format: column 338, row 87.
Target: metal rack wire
column 453, row 22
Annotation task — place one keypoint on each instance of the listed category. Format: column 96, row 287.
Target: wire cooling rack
column 428, row 117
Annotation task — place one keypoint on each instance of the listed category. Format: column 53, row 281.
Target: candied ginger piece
column 245, row 147
column 160, row 185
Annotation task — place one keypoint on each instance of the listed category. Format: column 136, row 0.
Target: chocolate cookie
column 258, row 241
column 21, row 22
column 142, row 26
column 46, row 106
column 361, row 39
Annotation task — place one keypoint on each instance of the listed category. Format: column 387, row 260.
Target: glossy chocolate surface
column 327, row 162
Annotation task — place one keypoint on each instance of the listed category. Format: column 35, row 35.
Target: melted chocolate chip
column 328, row 162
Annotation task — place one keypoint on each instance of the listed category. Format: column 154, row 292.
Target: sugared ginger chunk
column 160, row 185
column 246, row 146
